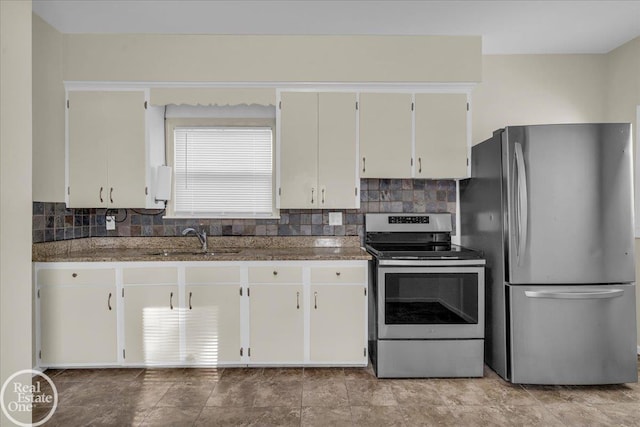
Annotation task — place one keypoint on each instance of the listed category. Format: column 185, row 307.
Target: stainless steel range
column 426, row 298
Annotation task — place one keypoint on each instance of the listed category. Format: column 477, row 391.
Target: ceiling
column 506, row 27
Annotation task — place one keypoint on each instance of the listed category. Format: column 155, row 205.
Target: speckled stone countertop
column 118, row 249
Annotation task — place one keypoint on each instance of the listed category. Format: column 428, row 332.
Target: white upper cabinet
column 107, row 150
column 299, row 150
column 441, row 135
column 421, row 135
column 337, row 175
column 385, row 135
column 318, row 146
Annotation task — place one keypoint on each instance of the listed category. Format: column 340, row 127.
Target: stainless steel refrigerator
column 551, row 207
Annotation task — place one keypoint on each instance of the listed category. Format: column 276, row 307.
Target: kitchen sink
column 200, row 253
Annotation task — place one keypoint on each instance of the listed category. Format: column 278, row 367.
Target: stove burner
column 410, row 237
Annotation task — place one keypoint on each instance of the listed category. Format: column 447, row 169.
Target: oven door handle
column 451, row 262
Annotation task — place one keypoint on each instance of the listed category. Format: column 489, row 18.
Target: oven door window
column 431, row 298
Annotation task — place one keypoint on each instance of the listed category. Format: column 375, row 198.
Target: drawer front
column 338, row 275
column 150, row 276
column 196, row 275
column 77, row 277
column 276, row 274
column 573, row 334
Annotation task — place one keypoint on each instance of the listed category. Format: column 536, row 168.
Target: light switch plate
column 110, row 222
column 335, row 218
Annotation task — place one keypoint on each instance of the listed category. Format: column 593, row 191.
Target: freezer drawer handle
column 575, row 295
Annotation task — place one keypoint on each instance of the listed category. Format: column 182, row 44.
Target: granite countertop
column 122, row 249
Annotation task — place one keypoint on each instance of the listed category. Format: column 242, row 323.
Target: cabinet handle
column 101, row 200
column 275, row 272
column 298, row 300
column 364, row 164
column 190, row 307
column 111, row 195
column 109, row 301
column 315, row 300
column 419, row 164
column 323, row 196
column 74, row 275
column 171, row 301
column 312, row 190
column 338, row 273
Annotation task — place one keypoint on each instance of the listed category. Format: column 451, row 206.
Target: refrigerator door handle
column 613, row 293
column 521, row 202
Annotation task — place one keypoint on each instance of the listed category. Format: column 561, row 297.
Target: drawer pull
column 315, row 300
column 74, row 275
column 338, row 273
column 171, row 301
column 275, row 273
column 298, row 300
column 109, row 301
column 190, row 294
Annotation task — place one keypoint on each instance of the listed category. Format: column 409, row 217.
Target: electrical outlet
column 110, row 222
column 335, row 218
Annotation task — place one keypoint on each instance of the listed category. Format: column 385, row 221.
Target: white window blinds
column 225, row 171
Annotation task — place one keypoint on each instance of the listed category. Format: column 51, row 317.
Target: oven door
column 430, row 302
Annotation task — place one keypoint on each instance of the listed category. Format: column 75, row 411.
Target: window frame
column 172, row 123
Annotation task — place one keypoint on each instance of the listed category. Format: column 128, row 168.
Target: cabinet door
column 338, row 328
column 107, row 157
column 212, row 324
column 299, row 150
column 152, row 320
column 385, row 135
column 337, row 165
column 78, row 324
column 126, row 149
column 441, row 135
column 89, row 135
column 276, row 324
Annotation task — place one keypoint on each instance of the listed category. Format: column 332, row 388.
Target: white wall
column 164, row 57
column 15, row 188
column 48, row 113
column 538, row 89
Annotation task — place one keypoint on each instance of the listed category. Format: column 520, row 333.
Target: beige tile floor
column 325, row 397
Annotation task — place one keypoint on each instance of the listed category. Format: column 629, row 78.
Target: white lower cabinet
column 212, row 316
column 338, row 314
column 276, row 323
column 338, row 324
column 78, row 317
column 151, row 316
column 276, row 314
column 202, row 313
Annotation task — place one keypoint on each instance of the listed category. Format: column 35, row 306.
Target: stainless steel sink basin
column 214, row 252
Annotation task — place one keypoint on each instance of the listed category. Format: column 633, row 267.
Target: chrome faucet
column 202, row 236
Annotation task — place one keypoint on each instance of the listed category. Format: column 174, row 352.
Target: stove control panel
column 408, row 220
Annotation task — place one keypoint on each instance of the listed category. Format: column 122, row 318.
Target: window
column 223, row 171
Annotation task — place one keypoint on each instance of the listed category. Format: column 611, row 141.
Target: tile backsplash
column 53, row 221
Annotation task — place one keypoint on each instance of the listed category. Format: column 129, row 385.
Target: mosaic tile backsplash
column 53, row 221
